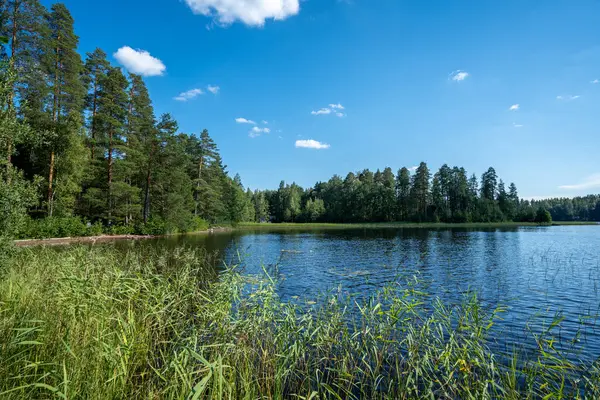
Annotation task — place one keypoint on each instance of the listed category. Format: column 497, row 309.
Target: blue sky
column 418, row 81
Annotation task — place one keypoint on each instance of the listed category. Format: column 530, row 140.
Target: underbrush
column 100, row 323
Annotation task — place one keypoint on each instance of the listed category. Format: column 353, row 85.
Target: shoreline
column 291, row 226
column 409, row 225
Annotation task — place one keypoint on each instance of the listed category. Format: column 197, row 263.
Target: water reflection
column 534, row 272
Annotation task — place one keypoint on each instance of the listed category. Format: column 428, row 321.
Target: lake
column 537, row 273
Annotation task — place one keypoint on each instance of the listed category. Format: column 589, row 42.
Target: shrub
column 54, row 227
column 543, row 216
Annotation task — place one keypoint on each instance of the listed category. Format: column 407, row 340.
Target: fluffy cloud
column 245, row 121
column 413, row 169
column 334, row 109
column 514, row 107
column 459, row 75
column 322, row 111
column 515, row 125
column 189, row 95
column 311, row 144
column 595, row 81
column 567, row 98
column 213, row 89
column 591, row 182
column 139, row 62
column 256, row 131
column 249, row 12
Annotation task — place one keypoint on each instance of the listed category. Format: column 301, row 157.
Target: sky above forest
column 302, row 90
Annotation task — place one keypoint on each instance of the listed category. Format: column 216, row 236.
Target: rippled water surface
column 535, row 272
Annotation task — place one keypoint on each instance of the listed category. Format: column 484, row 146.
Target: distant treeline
column 450, row 195
column 80, row 144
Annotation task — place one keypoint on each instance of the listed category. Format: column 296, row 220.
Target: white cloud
column 213, row 89
column 322, row 111
column 311, row 144
column 265, row 122
column 249, row 12
column 412, row 169
column 514, row 107
column 245, row 121
column 256, row 131
column 459, row 75
column 139, row 62
column 515, row 125
column 591, row 182
column 334, row 109
column 595, row 81
column 567, row 98
column 189, row 95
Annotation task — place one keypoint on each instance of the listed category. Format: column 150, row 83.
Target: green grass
column 391, row 225
column 92, row 323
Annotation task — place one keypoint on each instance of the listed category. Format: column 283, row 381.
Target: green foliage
column 543, row 216
column 108, row 324
column 55, row 227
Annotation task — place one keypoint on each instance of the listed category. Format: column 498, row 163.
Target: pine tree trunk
column 55, row 120
column 50, row 181
column 148, row 183
column 94, row 110
column 197, row 196
column 110, row 172
column 13, row 51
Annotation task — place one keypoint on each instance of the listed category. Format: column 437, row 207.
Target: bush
column 543, row 216
column 197, row 224
column 120, row 230
column 54, row 227
column 154, row 226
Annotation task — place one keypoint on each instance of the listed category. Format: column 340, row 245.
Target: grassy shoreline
column 94, row 323
column 411, row 225
column 246, row 226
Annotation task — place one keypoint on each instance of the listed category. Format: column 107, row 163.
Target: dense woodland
column 80, row 138
column 82, row 151
column 448, row 195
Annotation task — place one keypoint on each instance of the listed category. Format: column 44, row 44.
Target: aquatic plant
column 100, row 323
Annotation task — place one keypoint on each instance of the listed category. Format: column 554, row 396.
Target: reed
column 100, row 323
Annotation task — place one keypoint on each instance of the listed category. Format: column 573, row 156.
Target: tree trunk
column 55, row 112
column 13, row 51
column 94, row 110
column 50, row 181
column 110, row 172
column 197, row 194
column 148, row 183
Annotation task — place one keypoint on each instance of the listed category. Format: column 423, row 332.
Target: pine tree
column 63, row 66
column 95, row 70
column 143, row 138
column 403, row 193
column 111, row 117
column 261, row 207
column 23, row 25
column 420, row 191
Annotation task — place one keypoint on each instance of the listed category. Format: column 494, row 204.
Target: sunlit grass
column 98, row 324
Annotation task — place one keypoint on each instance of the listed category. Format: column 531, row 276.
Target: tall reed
column 101, row 323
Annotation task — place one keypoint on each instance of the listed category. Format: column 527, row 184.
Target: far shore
column 411, row 225
column 291, row 226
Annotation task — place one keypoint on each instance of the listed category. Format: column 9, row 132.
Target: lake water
column 535, row 272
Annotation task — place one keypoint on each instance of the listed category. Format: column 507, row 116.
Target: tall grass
column 105, row 324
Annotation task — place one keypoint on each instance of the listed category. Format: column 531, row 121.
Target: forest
column 82, row 152
column 81, row 147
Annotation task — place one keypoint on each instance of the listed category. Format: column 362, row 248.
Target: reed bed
column 102, row 323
